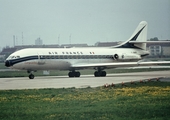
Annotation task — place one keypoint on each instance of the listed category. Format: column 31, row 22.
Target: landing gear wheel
column 74, row 74
column 96, row 74
column 100, row 73
column 103, row 73
column 77, row 74
column 71, row 74
column 31, row 76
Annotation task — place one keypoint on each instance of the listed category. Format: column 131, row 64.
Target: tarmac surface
column 81, row 82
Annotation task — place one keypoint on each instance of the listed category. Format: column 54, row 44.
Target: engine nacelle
column 126, row 57
column 116, row 56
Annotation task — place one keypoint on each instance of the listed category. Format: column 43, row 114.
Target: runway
column 81, row 82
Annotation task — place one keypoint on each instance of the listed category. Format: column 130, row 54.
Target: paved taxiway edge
column 83, row 81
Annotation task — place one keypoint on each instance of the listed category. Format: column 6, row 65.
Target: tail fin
column 139, row 35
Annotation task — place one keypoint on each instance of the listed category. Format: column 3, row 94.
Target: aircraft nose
column 7, row 63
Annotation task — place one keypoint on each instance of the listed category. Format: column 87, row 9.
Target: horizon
column 78, row 21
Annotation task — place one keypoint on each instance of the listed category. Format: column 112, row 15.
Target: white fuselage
column 72, row 59
column 63, row 58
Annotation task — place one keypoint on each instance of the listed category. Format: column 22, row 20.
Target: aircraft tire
column 71, row 74
column 103, row 73
column 31, row 76
column 100, row 74
column 74, row 74
column 96, row 74
column 77, row 74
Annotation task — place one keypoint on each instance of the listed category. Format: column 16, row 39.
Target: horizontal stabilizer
column 149, row 42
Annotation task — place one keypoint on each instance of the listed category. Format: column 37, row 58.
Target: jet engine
column 116, row 56
column 126, row 57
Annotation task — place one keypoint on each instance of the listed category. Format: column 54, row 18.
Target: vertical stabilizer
column 139, row 35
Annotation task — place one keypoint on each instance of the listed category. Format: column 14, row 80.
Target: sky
column 80, row 21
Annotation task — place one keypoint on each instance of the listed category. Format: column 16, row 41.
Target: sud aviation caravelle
column 126, row 54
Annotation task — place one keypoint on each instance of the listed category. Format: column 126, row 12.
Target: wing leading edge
column 119, row 64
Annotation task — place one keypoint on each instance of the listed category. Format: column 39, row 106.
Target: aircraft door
column 41, row 59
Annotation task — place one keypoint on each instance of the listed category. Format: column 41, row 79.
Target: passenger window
column 61, row 57
column 73, row 57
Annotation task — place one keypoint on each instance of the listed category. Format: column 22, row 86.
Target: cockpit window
column 14, row 57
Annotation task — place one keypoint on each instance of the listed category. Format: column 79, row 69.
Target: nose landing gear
column 31, row 76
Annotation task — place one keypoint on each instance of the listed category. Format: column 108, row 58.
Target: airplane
column 127, row 54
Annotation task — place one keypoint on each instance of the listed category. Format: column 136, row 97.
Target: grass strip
column 149, row 100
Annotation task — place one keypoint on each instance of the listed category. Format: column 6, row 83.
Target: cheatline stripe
column 23, row 59
column 15, row 61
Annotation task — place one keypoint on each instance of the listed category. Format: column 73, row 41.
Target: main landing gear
column 74, row 74
column 100, row 73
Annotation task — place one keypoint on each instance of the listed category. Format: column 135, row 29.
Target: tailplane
column 138, row 38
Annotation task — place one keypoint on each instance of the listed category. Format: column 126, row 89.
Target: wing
column 119, row 64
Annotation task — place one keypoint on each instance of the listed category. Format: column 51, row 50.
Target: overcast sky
column 86, row 21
